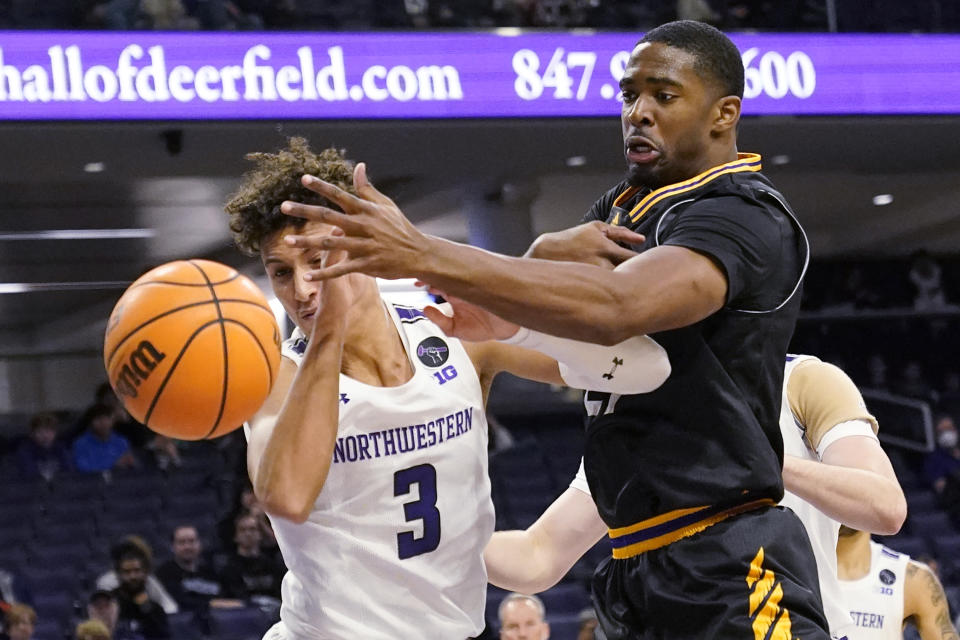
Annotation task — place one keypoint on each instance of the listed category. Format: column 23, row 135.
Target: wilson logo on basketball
column 138, row 368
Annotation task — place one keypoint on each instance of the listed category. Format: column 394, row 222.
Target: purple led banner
column 156, row 76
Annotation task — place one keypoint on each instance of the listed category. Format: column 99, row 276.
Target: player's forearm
column 858, row 498
column 566, row 299
column 517, row 561
column 297, row 457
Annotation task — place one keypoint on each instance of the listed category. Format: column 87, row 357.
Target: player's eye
column 663, row 96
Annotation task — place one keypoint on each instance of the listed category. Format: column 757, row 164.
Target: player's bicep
column 682, row 285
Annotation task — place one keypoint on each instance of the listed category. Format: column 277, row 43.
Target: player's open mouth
column 640, row 150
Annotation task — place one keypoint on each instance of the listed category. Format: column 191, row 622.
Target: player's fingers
column 318, row 213
column 335, row 271
column 347, row 201
column 439, row 318
column 622, row 234
column 365, row 188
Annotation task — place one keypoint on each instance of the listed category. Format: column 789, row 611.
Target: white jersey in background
column 394, row 545
column 817, row 409
column 876, row 600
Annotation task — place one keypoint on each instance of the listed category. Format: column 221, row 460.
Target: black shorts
column 717, row 584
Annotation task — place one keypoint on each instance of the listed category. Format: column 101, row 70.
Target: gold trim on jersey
column 744, row 162
column 669, row 527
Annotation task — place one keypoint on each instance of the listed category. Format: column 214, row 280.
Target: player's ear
column 726, row 114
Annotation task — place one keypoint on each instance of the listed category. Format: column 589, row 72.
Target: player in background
column 884, row 589
column 370, row 454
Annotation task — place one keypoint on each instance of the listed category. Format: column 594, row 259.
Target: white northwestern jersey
column 876, row 600
column 822, row 530
column 393, row 547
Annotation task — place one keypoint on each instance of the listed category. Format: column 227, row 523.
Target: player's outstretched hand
column 378, row 239
column 469, row 322
column 594, row 243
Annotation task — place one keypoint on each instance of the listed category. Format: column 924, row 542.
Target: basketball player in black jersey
column 686, row 476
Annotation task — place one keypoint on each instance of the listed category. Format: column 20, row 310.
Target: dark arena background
column 123, row 127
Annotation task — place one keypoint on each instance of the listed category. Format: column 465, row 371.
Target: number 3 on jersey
column 425, row 477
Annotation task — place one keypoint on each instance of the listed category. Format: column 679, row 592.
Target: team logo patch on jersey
column 433, row 351
column 887, row 577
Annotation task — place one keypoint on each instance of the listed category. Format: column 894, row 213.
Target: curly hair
column 254, row 208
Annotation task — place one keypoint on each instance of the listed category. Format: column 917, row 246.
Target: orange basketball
column 192, row 349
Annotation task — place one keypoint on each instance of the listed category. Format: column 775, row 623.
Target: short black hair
column 717, row 58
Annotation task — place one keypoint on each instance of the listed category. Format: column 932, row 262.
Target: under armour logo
column 616, row 363
column 344, row 399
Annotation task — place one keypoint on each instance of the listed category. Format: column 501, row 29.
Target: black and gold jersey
column 663, row 464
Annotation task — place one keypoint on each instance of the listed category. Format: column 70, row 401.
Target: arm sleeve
column 636, row 365
column 748, row 241
column 821, row 397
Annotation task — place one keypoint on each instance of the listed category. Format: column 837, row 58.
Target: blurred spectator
column 136, row 545
column 117, row 15
column 950, row 394
column 926, row 277
column 246, row 503
column 944, row 461
column 19, row 621
column 224, row 15
column 41, row 455
column 522, row 617
column 99, row 448
column 699, row 10
column 138, row 435
column 166, row 15
column 250, row 574
column 13, row 589
column 92, row 630
column 103, row 608
column 852, row 292
column 912, row 383
column 165, row 452
column 191, row 582
column 137, row 612
column 876, row 372
column 588, row 624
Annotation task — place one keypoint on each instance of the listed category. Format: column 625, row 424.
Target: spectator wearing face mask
column 943, row 462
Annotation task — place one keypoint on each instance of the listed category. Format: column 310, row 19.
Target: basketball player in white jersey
column 884, row 588
column 370, row 454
